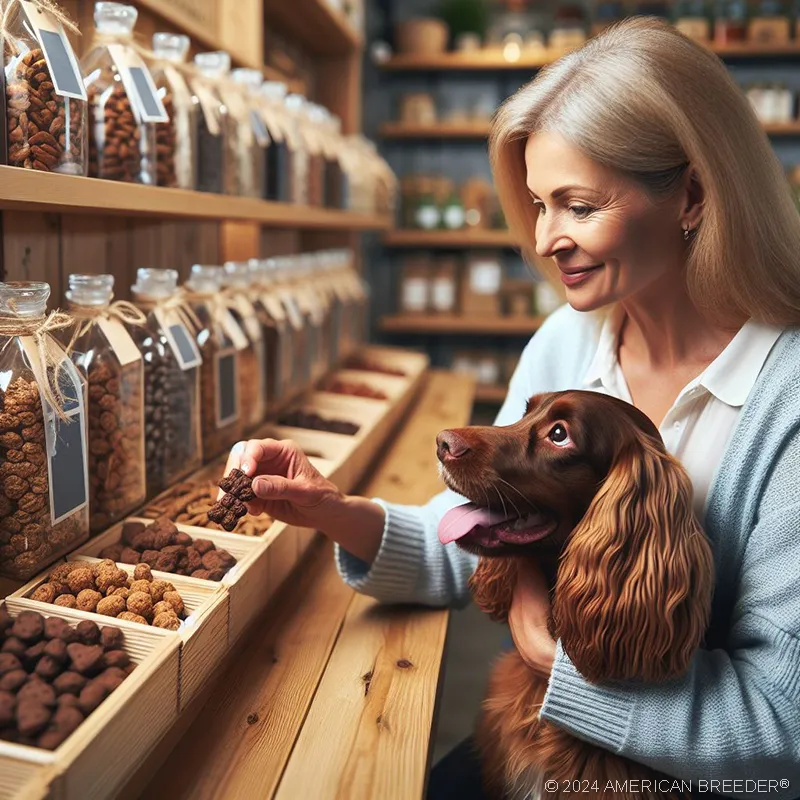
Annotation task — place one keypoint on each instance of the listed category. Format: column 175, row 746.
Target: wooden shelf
column 494, row 60
column 450, row 324
column 448, row 239
column 490, row 393
column 782, row 128
column 314, row 25
column 442, row 130
column 22, row 189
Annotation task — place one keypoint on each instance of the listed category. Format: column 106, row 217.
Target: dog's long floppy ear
column 492, row 585
column 633, row 593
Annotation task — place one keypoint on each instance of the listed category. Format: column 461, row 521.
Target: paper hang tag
column 138, row 83
column 67, row 467
column 181, row 342
column 58, row 53
column 232, row 330
column 274, row 307
column 208, row 105
column 226, row 370
column 239, row 111
column 259, row 129
column 292, row 309
column 120, row 340
column 249, row 320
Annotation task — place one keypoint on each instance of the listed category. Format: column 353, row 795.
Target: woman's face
column 609, row 238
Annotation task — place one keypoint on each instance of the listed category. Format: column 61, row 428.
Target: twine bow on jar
column 8, row 8
column 177, row 303
column 87, row 317
column 51, row 359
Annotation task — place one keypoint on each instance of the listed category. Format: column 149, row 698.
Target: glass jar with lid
column 122, row 145
column 171, row 378
column 693, row 19
column 101, row 347
column 176, row 139
column 216, row 162
column 730, row 24
column 279, row 152
column 252, row 139
column 44, row 488
column 297, row 122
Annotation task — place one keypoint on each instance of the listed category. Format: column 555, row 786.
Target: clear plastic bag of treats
column 221, row 341
column 101, row 347
column 171, row 378
column 216, row 129
column 44, row 487
column 123, row 104
column 45, row 109
column 176, row 139
column 252, row 137
column 239, row 292
column 276, row 329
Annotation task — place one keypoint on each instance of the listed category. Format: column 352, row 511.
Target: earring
column 686, row 233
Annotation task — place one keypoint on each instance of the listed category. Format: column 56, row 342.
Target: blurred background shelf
column 448, row 239
column 468, row 325
column 489, row 393
column 443, row 130
column 314, row 25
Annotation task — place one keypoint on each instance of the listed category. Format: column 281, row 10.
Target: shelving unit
column 466, row 238
column 314, row 25
column 465, row 325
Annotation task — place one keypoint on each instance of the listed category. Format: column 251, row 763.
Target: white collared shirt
column 697, row 427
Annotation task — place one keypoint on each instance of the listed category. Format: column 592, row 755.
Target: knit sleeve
column 735, row 715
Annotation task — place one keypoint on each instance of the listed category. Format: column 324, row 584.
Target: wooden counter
column 329, row 694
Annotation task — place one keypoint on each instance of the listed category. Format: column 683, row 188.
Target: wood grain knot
column 367, row 678
column 404, row 663
column 252, row 718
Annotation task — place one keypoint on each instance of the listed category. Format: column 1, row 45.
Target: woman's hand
column 527, row 618
column 286, row 484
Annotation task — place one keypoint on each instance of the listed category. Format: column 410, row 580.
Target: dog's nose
column 449, row 446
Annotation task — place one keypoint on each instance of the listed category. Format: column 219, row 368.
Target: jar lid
column 90, row 290
column 205, row 278
column 252, row 78
column 24, row 298
column 215, row 64
column 274, row 90
column 156, row 283
column 237, row 273
column 171, row 46
column 115, row 18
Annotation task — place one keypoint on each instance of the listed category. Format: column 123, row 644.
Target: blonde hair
column 644, row 99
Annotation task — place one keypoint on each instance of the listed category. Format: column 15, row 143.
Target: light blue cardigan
column 736, row 713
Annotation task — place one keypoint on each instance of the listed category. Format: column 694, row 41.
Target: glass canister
column 277, row 331
column 296, row 122
column 314, row 307
column 122, row 146
column 176, row 143
column 220, row 340
column 730, row 22
column 215, row 161
column 239, row 292
column 171, row 378
column 312, row 120
column 325, row 284
column 337, row 188
column 278, row 165
column 46, row 127
column 253, row 138
column 101, row 347
column 44, row 502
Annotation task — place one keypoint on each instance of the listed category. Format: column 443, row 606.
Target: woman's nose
column 549, row 240
column 450, row 446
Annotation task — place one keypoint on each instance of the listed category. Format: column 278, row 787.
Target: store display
column 415, row 285
column 730, row 23
column 189, row 503
column 171, row 379
column 164, row 548
column 316, row 422
column 46, row 113
column 774, row 103
column 480, row 289
column 101, row 347
column 176, row 146
column 102, row 587
column 122, row 134
column 252, row 137
column 296, row 122
column 223, row 345
column 279, row 153
column 53, row 675
column 444, row 285
column 230, row 508
column 336, row 181
column 353, row 388
column 418, row 108
column 44, row 504
column 215, row 156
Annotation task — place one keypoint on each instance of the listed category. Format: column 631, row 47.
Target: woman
column 641, row 180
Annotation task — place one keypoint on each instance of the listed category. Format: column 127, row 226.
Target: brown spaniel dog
column 583, row 485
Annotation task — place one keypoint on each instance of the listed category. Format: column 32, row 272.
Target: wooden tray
column 393, row 386
column 203, row 635
column 411, row 362
column 246, row 581
column 102, row 753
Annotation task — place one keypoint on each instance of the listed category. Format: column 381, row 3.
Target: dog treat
column 355, row 389
column 103, row 588
column 28, row 539
column 46, row 132
column 315, row 422
column 48, row 695
column 161, row 546
column 231, row 508
column 189, row 503
column 360, row 362
column 115, row 151
column 166, row 142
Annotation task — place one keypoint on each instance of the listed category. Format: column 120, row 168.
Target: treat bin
column 358, row 383
column 202, row 637
column 96, row 760
column 245, row 581
column 388, row 358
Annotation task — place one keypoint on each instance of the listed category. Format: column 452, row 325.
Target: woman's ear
column 633, row 593
column 693, row 198
column 492, row 585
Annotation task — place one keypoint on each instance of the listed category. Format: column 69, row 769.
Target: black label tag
column 184, row 346
column 227, row 387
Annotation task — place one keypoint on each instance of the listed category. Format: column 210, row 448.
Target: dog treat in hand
column 231, row 508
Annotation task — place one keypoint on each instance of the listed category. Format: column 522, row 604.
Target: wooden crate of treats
column 202, row 635
column 101, row 754
column 368, row 385
column 246, row 582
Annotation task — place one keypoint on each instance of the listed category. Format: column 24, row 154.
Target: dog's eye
column 558, row 435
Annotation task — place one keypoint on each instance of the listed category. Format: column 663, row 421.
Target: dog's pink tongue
column 459, row 521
